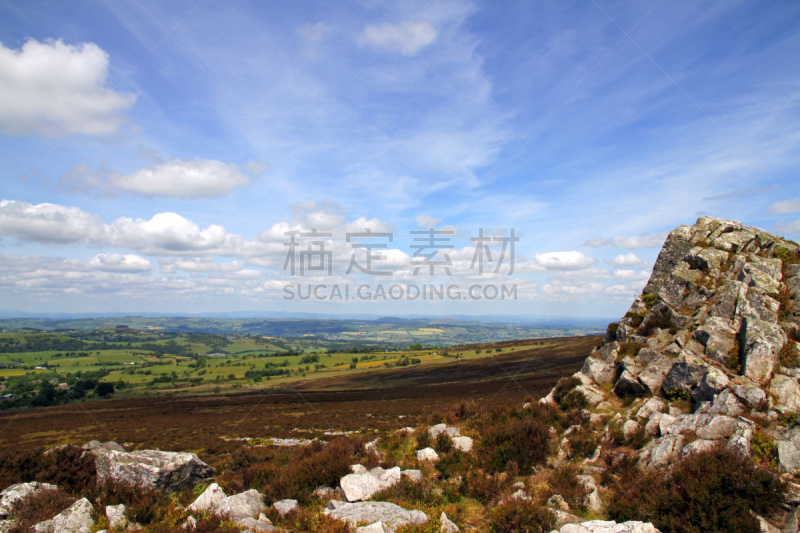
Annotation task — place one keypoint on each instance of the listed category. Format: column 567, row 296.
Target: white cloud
column 50, row 223
column 788, row 227
column 573, row 260
column 181, row 178
column 785, row 207
column 425, row 221
column 645, row 240
column 172, row 233
column 629, row 259
column 56, row 88
column 119, row 263
column 198, row 264
column 408, row 38
column 164, row 233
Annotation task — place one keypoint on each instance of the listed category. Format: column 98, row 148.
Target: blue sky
column 154, row 154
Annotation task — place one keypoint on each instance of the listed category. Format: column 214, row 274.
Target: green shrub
column 763, row 447
column 676, row 395
column 423, row 438
column 524, row 441
column 484, row 487
column 454, row 464
column 708, row 492
column 650, row 299
column 567, row 397
column 789, row 355
column 564, row 481
column 38, row 507
column 612, row 329
column 629, row 348
column 521, row 516
column 583, row 442
column 443, row 443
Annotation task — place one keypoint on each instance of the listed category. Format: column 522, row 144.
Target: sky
column 221, row 156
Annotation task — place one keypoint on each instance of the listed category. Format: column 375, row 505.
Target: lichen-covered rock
column 603, row 526
column 285, row 507
column 214, row 500
column 438, row 429
column 11, row 494
column 370, row 512
column 116, row 516
column 76, row 519
column 463, row 444
column 357, row 487
column 448, row 526
column 171, row 471
column 786, row 392
column 762, row 343
column 427, row 454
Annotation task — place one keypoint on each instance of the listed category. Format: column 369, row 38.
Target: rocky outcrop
column 390, row 514
column 76, row 519
column 12, row 494
column 710, row 328
column 213, row 500
column 363, row 483
column 171, row 471
column 602, row 526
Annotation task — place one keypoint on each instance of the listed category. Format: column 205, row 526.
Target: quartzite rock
column 171, row 471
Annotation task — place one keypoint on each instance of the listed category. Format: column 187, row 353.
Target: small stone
column 285, row 507
column 447, row 525
column 427, row 454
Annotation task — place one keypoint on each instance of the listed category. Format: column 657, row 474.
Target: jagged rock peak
column 714, row 332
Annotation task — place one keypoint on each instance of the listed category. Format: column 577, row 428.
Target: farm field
column 363, row 402
column 147, row 362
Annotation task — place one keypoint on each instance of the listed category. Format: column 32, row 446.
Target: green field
column 146, row 362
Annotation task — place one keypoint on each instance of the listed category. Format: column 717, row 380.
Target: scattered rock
column 630, row 428
column 602, row 526
column 357, row 487
column 427, row 454
column 285, row 507
column 116, row 516
column 171, row 471
column 447, row 525
column 255, row 526
column 16, row 492
column 244, row 505
column 438, row 429
column 76, row 519
column 413, row 475
column 370, row 512
column 463, row 444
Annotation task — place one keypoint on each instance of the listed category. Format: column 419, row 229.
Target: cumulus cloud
column 573, row 260
column 163, row 233
column 56, row 88
column 119, row 263
column 407, row 38
column 179, row 178
column 50, row 223
column 785, row 207
column 425, row 221
column 645, row 240
column 629, row 259
column 788, row 227
column 198, row 264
